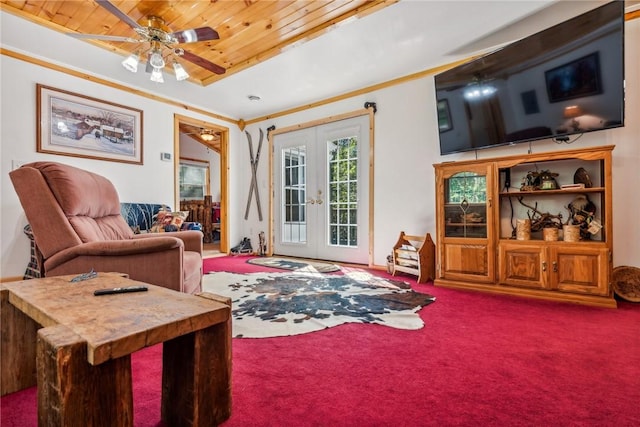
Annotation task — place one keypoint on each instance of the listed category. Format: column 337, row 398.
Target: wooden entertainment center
column 478, row 207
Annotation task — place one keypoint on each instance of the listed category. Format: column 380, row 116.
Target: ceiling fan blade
column 196, row 35
column 203, row 63
column 117, row 12
column 104, row 37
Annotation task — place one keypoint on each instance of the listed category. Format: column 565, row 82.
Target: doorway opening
column 198, row 141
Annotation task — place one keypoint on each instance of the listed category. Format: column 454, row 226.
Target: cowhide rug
column 282, row 304
column 294, row 264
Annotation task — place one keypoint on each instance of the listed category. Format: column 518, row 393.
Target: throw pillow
column 168, row 221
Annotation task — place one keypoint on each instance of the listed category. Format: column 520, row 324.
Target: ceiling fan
column 208, row 135
column 203, row 133
column 155, row 39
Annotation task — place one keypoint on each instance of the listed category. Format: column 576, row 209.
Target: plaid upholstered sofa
column 142, row 218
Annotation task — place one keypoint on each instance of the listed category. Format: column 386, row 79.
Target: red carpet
column 481, row 360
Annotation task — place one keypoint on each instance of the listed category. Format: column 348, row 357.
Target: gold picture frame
column 71, row 124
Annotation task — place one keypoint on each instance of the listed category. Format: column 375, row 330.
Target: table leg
column 196, row 377
column 18, row 348
column 72, row 392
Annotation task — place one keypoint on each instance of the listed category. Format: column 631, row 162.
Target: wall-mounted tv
column 565, row 80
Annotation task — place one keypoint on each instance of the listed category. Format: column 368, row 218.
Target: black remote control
column 120, row 290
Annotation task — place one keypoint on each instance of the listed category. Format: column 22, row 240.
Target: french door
column 321, row 191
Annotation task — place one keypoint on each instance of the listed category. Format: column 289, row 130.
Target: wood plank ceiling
column 250, row 31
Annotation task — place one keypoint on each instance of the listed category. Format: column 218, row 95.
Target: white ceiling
column 402, row 39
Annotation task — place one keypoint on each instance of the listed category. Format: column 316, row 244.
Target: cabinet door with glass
column 465, row 218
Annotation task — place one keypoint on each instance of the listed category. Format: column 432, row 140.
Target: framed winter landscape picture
column 75, row 125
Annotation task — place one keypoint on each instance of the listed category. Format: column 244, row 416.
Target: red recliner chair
column 76, row 222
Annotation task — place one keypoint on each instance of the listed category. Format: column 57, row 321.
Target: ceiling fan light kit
column 156, row 62
column 156, row 75
column 206, row 135
column 179, row 71
column 156, row 59
column 131, row 62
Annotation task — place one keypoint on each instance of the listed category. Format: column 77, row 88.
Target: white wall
column 406, row 146
column 152, row 182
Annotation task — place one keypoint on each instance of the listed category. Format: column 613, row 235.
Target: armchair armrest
column 158, row 260
column 116, row 248
column 192, row 239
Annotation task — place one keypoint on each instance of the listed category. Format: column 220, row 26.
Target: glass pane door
column 343, row 192
column 466, row 205
column 294, row 224
column 321, row 192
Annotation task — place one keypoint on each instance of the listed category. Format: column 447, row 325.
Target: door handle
column 319, row 199
column 555, row 267
column 310, row 201
column 544, row 265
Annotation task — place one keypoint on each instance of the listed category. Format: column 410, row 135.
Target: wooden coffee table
column 81, row 358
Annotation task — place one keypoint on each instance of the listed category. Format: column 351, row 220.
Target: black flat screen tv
column 562, row 81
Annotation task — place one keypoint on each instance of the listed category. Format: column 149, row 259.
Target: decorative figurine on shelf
column 582, row 212
column 582, row 177
column 548, row 180
column 471, row 217
column 528, row 182
column 543, row 180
